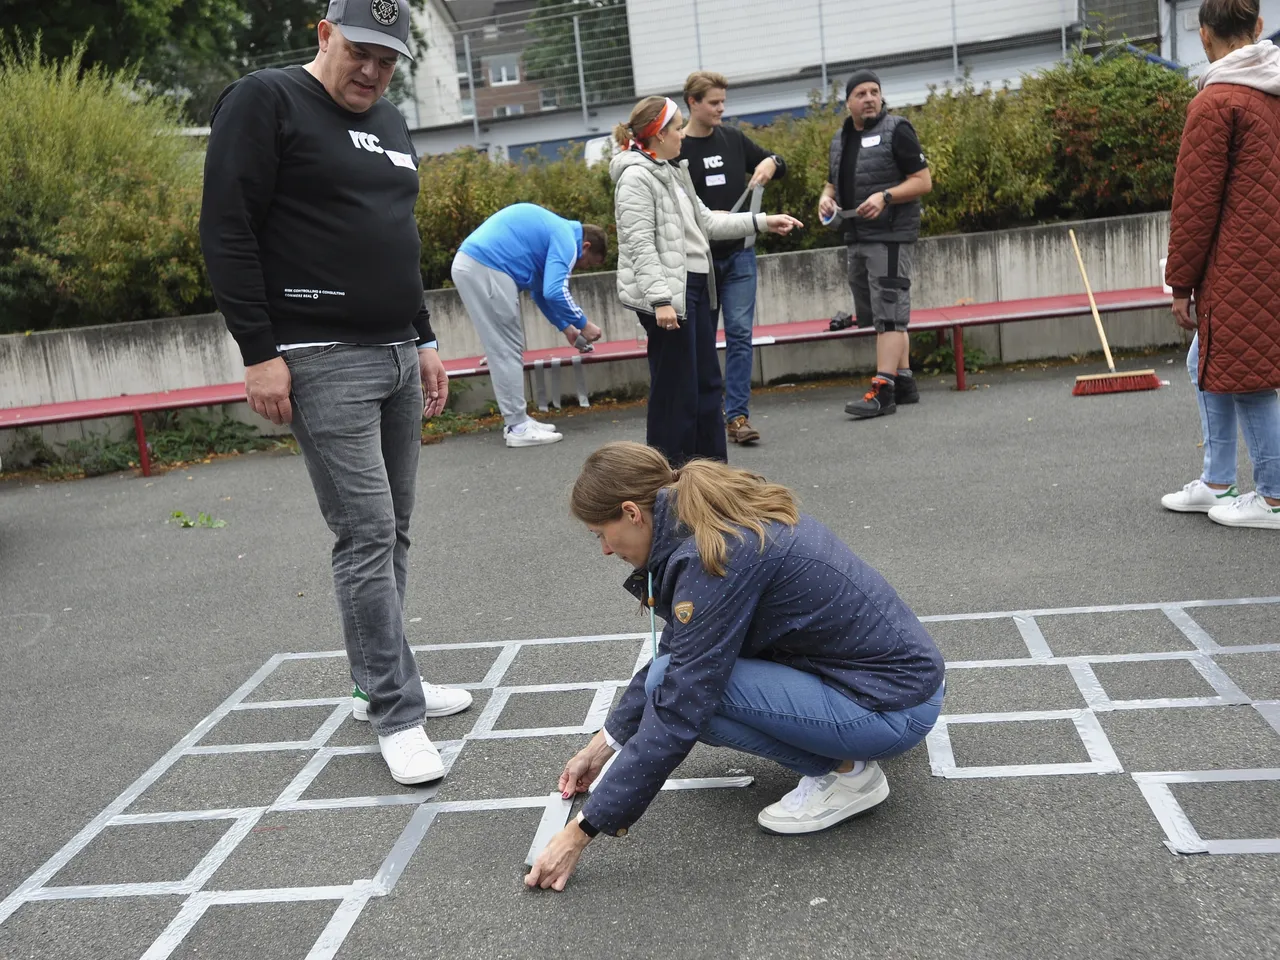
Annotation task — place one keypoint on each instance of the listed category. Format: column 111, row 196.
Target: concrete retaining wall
column 91, row 362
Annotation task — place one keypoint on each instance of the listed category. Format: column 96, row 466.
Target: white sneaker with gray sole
column 531, row 433
column 441, row 701
column 818, row 803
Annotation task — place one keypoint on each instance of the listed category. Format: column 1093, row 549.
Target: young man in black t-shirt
column 723, row 162
column 308, row 233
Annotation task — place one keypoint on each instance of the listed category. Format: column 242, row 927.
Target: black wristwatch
column 587, row 828
column 888, row 197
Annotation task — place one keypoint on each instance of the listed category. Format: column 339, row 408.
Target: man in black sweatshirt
column 309, row 237
column 723, row 162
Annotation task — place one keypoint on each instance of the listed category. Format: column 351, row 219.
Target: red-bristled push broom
column 1096, row 383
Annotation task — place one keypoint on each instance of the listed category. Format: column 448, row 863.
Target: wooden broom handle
column 1092, row 304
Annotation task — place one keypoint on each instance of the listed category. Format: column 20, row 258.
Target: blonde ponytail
column 622, row 135
column 715, row 501
column 712, row 500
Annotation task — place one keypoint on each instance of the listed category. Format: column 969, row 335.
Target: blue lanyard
column 653, row 620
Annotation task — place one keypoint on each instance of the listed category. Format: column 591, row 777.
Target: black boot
column 905, row 390
column 877, row 402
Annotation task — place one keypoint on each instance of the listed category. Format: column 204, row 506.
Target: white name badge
column 873, row 141
column 715, row 180
column 401, row 159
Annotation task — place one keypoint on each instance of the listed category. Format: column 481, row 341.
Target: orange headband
column 658, row 123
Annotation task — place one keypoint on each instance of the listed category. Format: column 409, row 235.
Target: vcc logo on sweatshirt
column 366, row 140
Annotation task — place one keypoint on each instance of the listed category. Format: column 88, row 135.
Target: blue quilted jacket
column 805, row 601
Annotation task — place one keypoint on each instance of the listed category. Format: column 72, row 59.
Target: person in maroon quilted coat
column 1224, row 251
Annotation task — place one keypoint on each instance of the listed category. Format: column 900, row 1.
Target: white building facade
column 434, row 98
column 778, row 54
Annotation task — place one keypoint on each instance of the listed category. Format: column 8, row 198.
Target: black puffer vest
column 877, row 171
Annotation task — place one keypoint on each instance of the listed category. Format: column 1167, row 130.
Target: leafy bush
column 99, row 199
column 1115, row 125
column 460, row 190
column 173, row 438
column 990, row 157
column 804, row 142
column 98, row 217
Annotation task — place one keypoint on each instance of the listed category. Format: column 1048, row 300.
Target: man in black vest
column 876, row 175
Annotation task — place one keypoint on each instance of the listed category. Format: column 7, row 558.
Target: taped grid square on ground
column 328, row 683
column 1183, row 834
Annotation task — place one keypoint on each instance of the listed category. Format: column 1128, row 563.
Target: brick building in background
column 497, row 34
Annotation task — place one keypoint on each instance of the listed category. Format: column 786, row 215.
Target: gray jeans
column 493, row 303
column 880, row 280
column 357, row 414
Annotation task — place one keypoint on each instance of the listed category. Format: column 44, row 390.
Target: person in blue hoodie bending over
column 524, row 247
column 779, row 642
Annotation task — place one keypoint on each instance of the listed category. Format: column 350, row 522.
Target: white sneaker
column 530, row 434
column 1251, row 510
column 822, row 802
column 441, row 701
column 411, row 757
column 1198, row 497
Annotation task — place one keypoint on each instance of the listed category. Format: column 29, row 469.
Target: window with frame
column 508, row 110
column 504, row 69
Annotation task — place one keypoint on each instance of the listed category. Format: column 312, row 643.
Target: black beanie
column 858, row 77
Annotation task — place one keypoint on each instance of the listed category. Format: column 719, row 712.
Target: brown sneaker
column 740, row 430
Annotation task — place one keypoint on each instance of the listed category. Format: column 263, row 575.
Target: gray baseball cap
column 384, row 22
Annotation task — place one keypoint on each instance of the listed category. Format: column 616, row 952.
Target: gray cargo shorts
column 880, row 278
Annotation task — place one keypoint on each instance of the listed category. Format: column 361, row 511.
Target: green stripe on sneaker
column 1230, row 492
column 358, row 694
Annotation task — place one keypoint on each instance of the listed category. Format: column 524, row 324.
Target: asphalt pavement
column 139, row 656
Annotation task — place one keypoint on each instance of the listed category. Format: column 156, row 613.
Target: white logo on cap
column 386, row 12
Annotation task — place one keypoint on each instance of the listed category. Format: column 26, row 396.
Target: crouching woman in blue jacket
column 778, row 642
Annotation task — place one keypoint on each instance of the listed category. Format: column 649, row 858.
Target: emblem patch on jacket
column 683, row 611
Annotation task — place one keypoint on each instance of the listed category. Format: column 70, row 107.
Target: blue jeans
column 790, row 716
column 736, row 292
column 357, row 415
column 1258, row 415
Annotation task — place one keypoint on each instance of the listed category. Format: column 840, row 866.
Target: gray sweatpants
column 493, row 303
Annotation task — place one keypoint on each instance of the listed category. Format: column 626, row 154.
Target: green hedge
column 98, row 217
column 98, row 200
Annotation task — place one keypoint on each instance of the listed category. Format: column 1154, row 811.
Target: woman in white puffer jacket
column 664, row 274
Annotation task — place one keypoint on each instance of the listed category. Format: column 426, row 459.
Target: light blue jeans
column 1258, row 416
column 808, row 726
column 736, row 292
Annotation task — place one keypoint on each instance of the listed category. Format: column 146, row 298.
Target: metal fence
column 587, row 51
column 535, row 56
column 569, row 54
